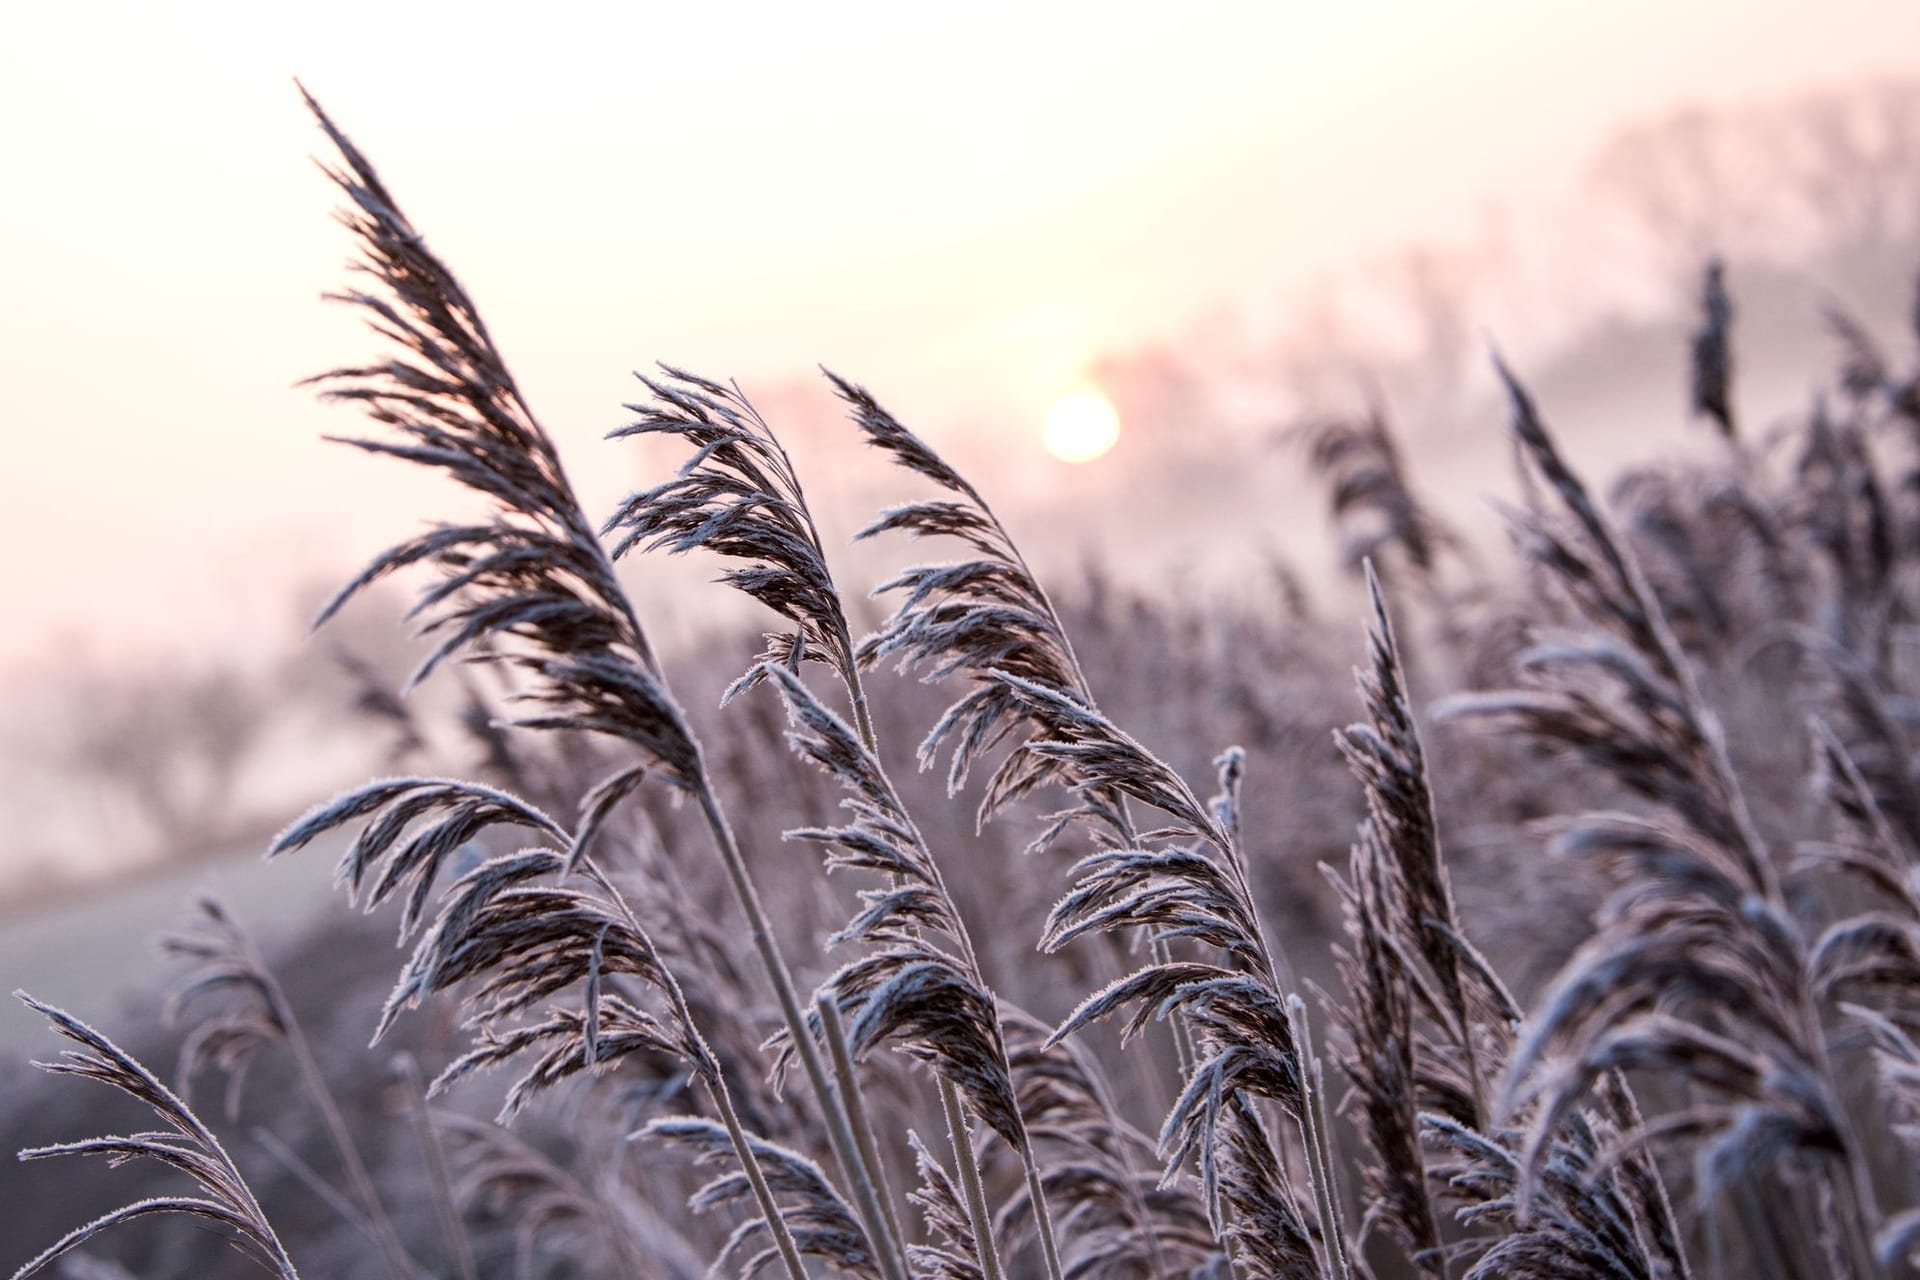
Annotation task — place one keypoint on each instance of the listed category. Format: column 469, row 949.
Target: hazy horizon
column 966, row 215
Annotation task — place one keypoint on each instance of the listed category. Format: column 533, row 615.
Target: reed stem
column 967, row 1165
column 839, row 1131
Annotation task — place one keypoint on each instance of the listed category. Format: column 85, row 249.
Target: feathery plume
column 1699, row 926
column 1194, row 887
column 821, row 1224
column 237, row 1006
column 549, row 1205
column 955, row 1254
column 1369, row 496
column 530, row 587
column 985, row 616
column 739, row 497
column 182, row 1143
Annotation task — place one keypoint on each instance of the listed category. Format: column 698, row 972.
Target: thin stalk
column 1476, row 1082
column 1313, row 1123
column 716, row 1084
column 1852, row 1183
column 1102, row 1090
column 1186, row 1054
column 451, row 1223
column 967, row 1162
column 316, row 1186
column 839, row 1131
column 707, row 1066
column 1324, row 1138
column 850, row 1096
column 1763, row 1221
column 857, row 694
column 1856, row 1202
column 1135, row 1202
column 1042, row 1214
column 1049, row 1248
column 315, row 1081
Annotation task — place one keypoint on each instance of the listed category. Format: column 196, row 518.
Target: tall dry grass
column 1698, row 696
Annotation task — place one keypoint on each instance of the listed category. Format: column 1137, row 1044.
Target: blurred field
column 92, row 950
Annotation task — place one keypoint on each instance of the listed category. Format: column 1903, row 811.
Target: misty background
column 1226, row 221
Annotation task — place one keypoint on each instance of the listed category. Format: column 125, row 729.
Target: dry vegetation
column 1690, row 1046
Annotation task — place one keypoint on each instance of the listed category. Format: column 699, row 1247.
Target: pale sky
column 961, row 206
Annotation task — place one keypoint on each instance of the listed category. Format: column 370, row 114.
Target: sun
column 1081, row 427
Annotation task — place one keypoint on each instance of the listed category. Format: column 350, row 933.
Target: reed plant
column 600, row 911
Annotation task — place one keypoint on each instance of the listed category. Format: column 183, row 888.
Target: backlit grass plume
column 1370, row 498
column 1192, row 887
column 1454, row 987
column 1403, row 943
column 181, row 1143
column 738, row 496
column 1700, row 925
column 235, row 1007
column 989, row 618
column 530, row 587
column 919, row 985
column 984, row 616
column 928, row 997
column 821, row 1224
column 557, row 978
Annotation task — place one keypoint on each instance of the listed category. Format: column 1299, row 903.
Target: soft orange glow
column 1081, row 427
column 965, row 254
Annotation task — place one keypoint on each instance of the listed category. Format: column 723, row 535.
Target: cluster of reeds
column 1678, row 1101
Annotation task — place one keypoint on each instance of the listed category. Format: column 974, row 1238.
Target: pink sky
column 962, row 208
